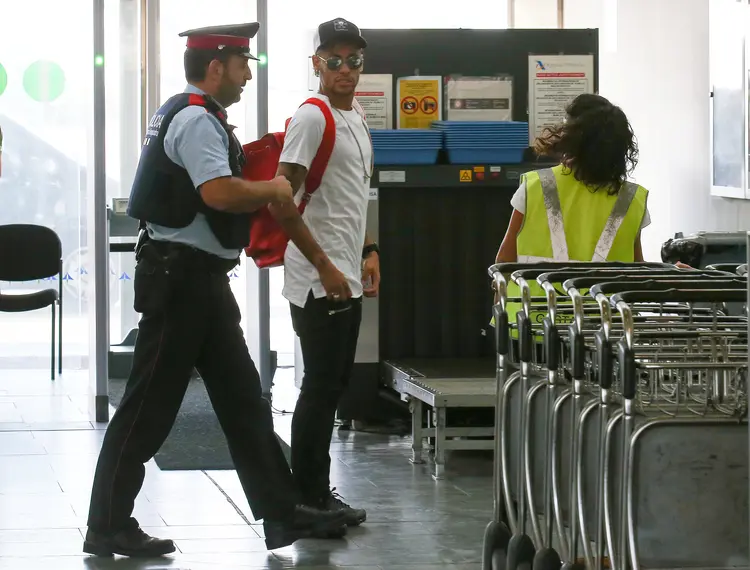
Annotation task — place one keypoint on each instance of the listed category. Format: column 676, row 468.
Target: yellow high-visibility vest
column 565, row 221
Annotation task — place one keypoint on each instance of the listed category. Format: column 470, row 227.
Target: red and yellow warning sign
column 409, row 105
column 420, row 101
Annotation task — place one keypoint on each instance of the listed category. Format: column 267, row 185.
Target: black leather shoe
column 306, row 522
column 332, row 501
column 132, row 542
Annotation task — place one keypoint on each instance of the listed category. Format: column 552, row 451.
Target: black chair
column 27, row 253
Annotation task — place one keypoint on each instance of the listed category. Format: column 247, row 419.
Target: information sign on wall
column 420, row 101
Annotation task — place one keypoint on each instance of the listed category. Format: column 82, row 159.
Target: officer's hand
column 281, row 190
column 335, row 283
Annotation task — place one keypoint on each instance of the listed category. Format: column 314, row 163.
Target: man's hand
column 371, row 275
column 281, row 190
column 335, row 283
column 681, row 265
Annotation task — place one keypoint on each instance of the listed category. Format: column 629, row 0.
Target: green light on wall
column 262, row 59
column 3, row 79
column 44, row 81
column 99, row 60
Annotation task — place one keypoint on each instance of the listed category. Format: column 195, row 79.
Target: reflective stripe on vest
column 554, row 215
column 557, row 227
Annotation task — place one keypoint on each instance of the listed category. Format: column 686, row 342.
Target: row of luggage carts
column 620, row 434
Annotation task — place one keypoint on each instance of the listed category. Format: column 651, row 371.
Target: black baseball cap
column 338, row 30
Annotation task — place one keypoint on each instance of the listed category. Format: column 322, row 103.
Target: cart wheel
column 520, row 553
column 547, row 559
column 496, row 538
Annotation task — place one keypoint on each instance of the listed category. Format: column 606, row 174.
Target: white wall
column 535, row 14
column 654, row 63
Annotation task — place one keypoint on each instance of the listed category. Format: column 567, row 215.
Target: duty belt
column 181, row 256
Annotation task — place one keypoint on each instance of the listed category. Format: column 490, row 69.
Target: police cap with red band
column 233, row 38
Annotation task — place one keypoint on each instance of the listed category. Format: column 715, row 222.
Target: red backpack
column 268, row 241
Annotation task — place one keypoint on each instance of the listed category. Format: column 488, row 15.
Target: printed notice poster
column 375, row 94
column 479, row 98
column 420, row 101
column 554, row 81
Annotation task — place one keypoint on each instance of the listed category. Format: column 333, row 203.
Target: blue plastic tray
column 458, row 124
column 486, row 156
column 420, row 156
column 407, row 148
column 477, row 136
column 480, row 144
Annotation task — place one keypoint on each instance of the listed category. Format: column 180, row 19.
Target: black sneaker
column 307, row 522
column 334, row 502
column 131, row 542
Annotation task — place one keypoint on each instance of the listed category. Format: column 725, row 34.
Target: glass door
column 45, row 115
column 125, row 104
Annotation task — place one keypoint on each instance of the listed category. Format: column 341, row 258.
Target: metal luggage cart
column 565, row 402
column 591, row 378
column 533, row 375
column 680, row 375
column 545, row 432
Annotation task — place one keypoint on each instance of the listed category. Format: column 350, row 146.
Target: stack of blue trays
column 406, row 146
column 472, row 142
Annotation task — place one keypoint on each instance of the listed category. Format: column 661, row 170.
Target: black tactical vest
column 163, row 192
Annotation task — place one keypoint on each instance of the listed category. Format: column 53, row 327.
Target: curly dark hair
column 596, row 143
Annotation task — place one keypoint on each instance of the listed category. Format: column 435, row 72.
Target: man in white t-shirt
column 330, row 262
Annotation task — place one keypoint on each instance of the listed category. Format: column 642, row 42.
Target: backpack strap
column 320, row 162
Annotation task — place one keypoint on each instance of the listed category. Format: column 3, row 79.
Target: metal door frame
column 257, row 319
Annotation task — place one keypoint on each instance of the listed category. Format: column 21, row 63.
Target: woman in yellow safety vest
column 583, row 209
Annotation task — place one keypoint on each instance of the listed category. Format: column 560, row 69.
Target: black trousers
column 190, row 319
column 328, row 333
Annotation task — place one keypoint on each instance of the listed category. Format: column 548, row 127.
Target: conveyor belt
column 441, row 384
column 452, row 369
column 452, row 393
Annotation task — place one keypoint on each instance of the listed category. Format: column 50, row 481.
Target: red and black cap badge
column 235, row 37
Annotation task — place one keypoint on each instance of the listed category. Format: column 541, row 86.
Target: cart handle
column 634, row 278
column 525, row 337
column 512, row 267
column 726, row 267
column 738, row 295
column 551, row 344
column 628, row 369
column 502, row 330
column 604, row 360
column 577, row 353
column 571, row 273
column 612, row 287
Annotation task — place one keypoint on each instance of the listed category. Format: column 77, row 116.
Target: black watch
column 369, row 248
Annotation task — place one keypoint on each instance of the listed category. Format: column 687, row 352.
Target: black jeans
column 190, row 319
column 328, row 333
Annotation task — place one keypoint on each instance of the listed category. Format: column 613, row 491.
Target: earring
column 317, row 73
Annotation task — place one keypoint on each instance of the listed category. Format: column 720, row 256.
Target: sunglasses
column 335, row 62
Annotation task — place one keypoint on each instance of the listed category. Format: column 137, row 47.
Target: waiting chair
column 29, row 252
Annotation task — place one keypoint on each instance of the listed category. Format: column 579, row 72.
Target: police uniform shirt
column 337, row 212
column 196, row 141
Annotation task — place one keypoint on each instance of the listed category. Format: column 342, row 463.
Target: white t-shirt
column 518, row 201
column 337, row 212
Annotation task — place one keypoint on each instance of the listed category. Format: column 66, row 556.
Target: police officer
column 196, row 210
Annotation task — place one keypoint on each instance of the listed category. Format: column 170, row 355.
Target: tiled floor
column 48, row 448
